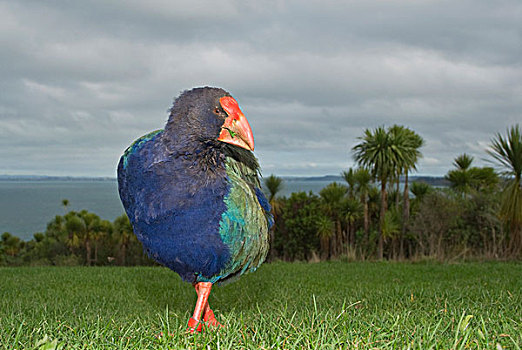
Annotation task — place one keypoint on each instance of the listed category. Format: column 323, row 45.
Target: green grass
column 283, row 305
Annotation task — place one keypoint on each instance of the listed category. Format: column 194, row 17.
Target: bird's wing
column 243, row 163
column 125, row 182
column 137, row 145
column 244, row 225
column 263, row 201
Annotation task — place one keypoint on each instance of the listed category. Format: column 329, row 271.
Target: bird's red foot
column 194, row 326
column 210, row 319
column 203, row 315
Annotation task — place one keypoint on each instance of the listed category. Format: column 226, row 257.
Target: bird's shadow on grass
column 161, row 288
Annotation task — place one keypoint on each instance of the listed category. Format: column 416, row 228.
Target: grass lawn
column 282, row 306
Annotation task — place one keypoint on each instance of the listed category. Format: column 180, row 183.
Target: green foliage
column 274, row 185
column 330, row 305
column 507, row 153
column 332, row 196
column 420, row 189
column 467, row 180
column 363, row 180
column 391, row 226
column 375, row 152
column 434, row 222
column 76, row 238
column 463, row 162
column 351, row 180
column 297, row 238
column 11, row 245
column 388, row 153
column 406, row 143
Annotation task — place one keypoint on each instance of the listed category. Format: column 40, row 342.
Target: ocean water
column 27, row 206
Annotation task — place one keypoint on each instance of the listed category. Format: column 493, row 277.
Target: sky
column 80, row 80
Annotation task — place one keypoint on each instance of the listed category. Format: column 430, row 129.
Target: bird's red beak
column 235, row 129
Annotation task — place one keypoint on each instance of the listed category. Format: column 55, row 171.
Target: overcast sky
column 80, row 80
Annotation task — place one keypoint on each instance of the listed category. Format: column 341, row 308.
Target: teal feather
column 136, row 145
column 243, row 225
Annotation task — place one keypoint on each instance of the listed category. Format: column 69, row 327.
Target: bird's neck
column 209, row 155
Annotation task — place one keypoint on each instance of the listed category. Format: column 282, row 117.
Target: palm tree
column 391, row 225
column 351, row 212
column 409, row 142
column 483, row 179
column 349, row 177
column 325, row 231
column 102, row 229
column 11, row 244
column 463, row 162
column 420, row 189
column 376, row 152
column 123, row 235
column 332, row 196
column 507, row 153
column 274, row 185
column 467, row 180
column 363, row 180
column 92, row 224
column 460, row 178
column 65, row 204
column 75, row 228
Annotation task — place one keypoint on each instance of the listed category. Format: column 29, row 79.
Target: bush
column 67, row 260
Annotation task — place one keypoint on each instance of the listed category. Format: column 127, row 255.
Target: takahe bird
column 192, row 194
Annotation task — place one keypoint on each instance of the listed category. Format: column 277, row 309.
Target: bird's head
column 206, row 114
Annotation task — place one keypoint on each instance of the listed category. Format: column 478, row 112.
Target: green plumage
column 244, row 225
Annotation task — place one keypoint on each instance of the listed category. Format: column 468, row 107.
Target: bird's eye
column 217, row 110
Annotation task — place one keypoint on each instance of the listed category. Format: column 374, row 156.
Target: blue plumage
column 194, row 201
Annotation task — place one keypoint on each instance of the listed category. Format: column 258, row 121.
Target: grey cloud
column 81, row 80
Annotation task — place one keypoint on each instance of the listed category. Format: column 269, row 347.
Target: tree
column 11, row 245
column 431, row 225
column 274, row 185
column 102, row 229
column 325, row 231
column 374, row 153
column 391, row 228
column 380, row 152
column 351, row 211
column 65, row 204
column 409, row 143
column 298, row 231
column 332, row 197
column 419, row 190
column 363, row 180
column 75, row 228
column 460, row 178
column 349, row 177
column 123, row 235
column 467, row 180
column 507, row 153
column 92, row 227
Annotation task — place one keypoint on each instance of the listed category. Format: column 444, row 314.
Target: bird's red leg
column 203, row 290
column 208, row 315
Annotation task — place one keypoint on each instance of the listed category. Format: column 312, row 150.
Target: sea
column 26, row 206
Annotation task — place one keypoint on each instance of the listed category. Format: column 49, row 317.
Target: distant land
column 438, row 181
column 53, row 178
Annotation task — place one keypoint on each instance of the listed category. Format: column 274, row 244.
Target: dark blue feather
column 177, row 193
